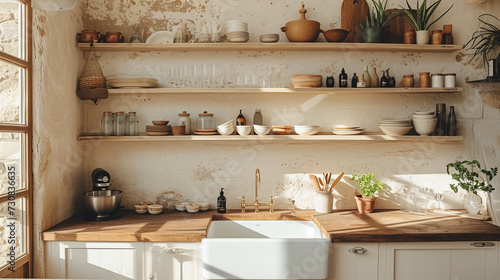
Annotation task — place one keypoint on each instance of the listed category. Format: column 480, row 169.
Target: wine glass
column 438, row 196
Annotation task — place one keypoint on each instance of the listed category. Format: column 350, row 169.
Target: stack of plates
column 159, row 129
column 237, row 36
column 395, row 127
column 347, row 130
column 133, row 83
column 205, row 132
column 269, row 38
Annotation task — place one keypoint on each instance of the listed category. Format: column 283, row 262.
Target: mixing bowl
column 102, row 203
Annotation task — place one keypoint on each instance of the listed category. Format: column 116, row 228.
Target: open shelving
column 314, row 46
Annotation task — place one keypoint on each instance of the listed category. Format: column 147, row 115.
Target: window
column 15, row 139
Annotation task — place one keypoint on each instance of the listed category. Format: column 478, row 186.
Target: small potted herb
column 468, row 177
column 368, row 188
column 376, row 21
column 420, row 17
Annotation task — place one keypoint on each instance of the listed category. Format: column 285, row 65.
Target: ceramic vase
column 374, row 77
column 367, row 78
column 423, row 37
column 473, row 203
column 372, row 35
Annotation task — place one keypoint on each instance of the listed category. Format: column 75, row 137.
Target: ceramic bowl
column 225, row 130
column 228, row 124
column 269, row 38
column 425, row 127
column 307, row 129
column 155, row 209
column 262, row 129
column 395, row 130
column 244, row 129
column 423, row 117
column 424, row 113
column 180, row 207
column 204, row 206
column 141, row 209
column 192, row 207
column 193, row 211
column 160, row 122
column 335, row 35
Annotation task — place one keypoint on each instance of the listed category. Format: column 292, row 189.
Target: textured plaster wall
column 57, row 116
column 197, row 170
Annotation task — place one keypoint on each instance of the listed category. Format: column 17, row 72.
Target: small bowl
column 193, row 207
column 178, row 130
column 204, row 206
column 160, row 122
column 395, row 130
column 425, row 127
column 146, row 202
column 193, row 211
column 225, row 130
column 227, row 124
column 244, row 129
column 155, row 209
column 307, row 129
column 180, row 207
column 335, row 35
column 262, row 129
column 141, row 209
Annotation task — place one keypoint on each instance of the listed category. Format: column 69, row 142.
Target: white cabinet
column 95, row 260
column 353, row 261
column 173, row 261
column 442, row 261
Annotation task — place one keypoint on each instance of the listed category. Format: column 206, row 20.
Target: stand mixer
column 101, row 203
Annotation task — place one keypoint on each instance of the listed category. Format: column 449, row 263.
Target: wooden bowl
column 160, row 122
column 306, row 80
column 335, row 35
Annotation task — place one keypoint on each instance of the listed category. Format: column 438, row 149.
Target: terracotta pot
column 88, row 36
column 113, row 37
column 301, row 30
column 365, row 204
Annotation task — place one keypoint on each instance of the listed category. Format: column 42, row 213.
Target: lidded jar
column 185, row 120
column 206, row 120
column 425, row 80
column 437, row 80
column 107, row 124
column 408, row 81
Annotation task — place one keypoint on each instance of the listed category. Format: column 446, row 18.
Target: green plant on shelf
column 486, row 40
column 419, row 18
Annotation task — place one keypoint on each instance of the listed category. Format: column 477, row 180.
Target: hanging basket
column 92, row 83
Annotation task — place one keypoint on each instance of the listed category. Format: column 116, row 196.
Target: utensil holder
column 323, row 201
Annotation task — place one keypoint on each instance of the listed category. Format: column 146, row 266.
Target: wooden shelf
column 277, row 138
column 322, row 90
column 488, row 80
column 315, row 46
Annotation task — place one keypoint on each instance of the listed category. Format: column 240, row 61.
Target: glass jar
column 132, row 125
column 113, row 116
column 120, row 124
column 450, row 80
column 127, row 125
column 107, row 124
column 437, row 37
column 425, row 80
column 408, row 81
column 206, row 121
column 437, row 80
column 185, row 120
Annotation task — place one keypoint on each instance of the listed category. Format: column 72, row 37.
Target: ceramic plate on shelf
column 133, row 83
column 348, row 131
column 161, row 37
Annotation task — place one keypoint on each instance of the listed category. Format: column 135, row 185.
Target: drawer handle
column 483, row 244
column 358, row 250
column 176, row 251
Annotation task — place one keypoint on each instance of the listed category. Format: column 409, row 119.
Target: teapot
column 88, row 36
column 113, row 37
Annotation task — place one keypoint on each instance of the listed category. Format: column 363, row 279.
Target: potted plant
column 468, row 177
column 368, row 188
column 419, row 18
column 486, row 39
column 375, row 23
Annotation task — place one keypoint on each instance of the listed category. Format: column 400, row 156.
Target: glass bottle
column 132, row 123
column 343, row 79
column 452, row 123
column 120, row 124
column 367, row 78
column 240, row 120
column 113, row 115
column 391, row 81
column 374, row 77
column 107, row 124
column 354, row 81
column 383, row 80
column 185, row 120
column 330, row 82
column 257, row 117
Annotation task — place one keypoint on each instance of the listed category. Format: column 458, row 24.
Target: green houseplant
column 485, row 40
column 468, row 177
column 376, row 21
column 420, row 17
column 368, row 188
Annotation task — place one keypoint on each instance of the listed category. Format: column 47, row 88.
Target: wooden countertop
column 340, row 226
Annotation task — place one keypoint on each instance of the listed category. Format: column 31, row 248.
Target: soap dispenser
column 221, row 202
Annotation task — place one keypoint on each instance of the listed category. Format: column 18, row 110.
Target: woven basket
column 92, row 82
column 93, row 94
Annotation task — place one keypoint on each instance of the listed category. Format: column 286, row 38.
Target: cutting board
column 396, row 30
column 350, row 14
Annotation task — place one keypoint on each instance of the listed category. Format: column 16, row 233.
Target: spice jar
column 133, row 126
column 107, row 124
column 410, row 36
column 185, row 120
column 450, row 80
column 437, row 37
column 437, row 80
column 425, row 80
column 408, row 81
column 120, row 124
column 206, row 121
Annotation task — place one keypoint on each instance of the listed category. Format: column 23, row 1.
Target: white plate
column 161, row 37
column 348, row 132
column 345, row 127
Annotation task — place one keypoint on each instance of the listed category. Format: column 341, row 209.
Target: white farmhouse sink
column 265, row 250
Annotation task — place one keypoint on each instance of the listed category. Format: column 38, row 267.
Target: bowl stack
column 347, row 130
column 237, row 31
column 395, row 127
column 424, row 122
column 159, row 128
column 226, row 128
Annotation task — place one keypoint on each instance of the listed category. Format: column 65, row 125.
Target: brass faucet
column 256, row 204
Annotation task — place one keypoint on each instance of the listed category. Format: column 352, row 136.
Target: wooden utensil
column 314, row 181
column 322, row 185
column 351, row 12
column 336, row 181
